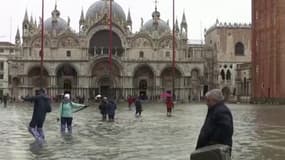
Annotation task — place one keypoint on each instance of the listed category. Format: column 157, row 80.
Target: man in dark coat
column 138, row 105
column 111, row 108
column 218, row 126
column 103, row 108
column 41, row 107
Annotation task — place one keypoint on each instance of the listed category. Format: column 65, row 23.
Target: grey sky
column 199, row 13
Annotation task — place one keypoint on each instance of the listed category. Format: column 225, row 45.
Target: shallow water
column 259, row 134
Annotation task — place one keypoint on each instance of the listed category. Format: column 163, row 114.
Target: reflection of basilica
column 141, row 62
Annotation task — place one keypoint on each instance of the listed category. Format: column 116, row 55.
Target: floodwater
column 259, row 134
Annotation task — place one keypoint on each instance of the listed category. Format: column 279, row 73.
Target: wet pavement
column 259, row 134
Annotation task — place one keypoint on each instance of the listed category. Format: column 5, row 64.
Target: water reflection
column 259, row 134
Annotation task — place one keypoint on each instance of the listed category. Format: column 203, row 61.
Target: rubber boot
column 69, row 128
column 62, row 128
column 34, row 132
column 41, row 133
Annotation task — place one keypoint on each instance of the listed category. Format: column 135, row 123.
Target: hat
column 67, row 96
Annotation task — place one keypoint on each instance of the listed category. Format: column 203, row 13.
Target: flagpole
column 173, row 52
column 110, row 38
column 42, row 45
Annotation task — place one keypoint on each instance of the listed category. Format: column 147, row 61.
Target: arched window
column 228, row 75
column 223, row 75
column 239, row 49
column 141, row 54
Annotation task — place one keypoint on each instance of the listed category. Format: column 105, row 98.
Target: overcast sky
column 200, row 14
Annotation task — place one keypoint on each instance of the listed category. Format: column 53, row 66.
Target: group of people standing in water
column 42, row 106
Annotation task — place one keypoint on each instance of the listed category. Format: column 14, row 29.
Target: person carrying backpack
column 66, row 109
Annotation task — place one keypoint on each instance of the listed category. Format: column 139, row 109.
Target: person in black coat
column 103, row 108
column 41, row 107
column 111, row 108
column 218, row 125
column 138, row 105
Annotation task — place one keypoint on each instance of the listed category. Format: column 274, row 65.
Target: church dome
column 155, row 24
column 101, row 7
column 55, row 22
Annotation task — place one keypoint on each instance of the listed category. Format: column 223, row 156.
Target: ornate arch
column 34, row 76
column 142, row 40
column 177, row 67
column 166, row 42
column 67, row 41
column 115, row 62
column 36, row 42
column 137, row 67
column 59, row 66
column 32, row 66
column 93, row 30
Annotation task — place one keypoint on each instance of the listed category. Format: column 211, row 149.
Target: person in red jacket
column 169, row 105
column 130, row 101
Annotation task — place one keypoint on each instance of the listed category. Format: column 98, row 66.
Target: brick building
column 268, row 44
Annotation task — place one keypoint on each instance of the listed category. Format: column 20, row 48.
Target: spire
column 18, row 34
column 156, row 13
column 26, row 18
column 82, row 19
column 55, row 13
column 155, row 4
column 129, row 19
column 17, row 38
column 184, row 18
column 31, row 19
column 184, row 25
column 176, row 26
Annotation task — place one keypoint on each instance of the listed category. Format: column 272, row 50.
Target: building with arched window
column 78, row 62
column 231, row 44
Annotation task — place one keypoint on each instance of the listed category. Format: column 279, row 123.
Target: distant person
column 130, row 102
column 66, row 109
column 169, row 106
column 41, row 107
column 5, row 100
column 218, row 125
column 111, row 109
column 138, row 105
column 103, row 108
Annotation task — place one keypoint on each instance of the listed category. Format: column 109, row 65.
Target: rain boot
column 62, row 128
column 41, row 133
column 69, row 128
column 34, row 132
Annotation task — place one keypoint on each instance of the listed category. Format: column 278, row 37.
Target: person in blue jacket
column 66, row 109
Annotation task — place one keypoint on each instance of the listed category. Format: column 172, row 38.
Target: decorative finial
column 156, row 2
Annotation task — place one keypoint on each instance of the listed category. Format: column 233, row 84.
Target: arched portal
column 104, row 82
column 66, row 77
column 34, row 79
column 167, row 78
column 99, row 44
column 144, row 81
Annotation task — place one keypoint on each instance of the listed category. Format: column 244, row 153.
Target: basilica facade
column 141, row 62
